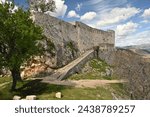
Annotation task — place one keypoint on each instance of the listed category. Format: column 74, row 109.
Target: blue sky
column 129, row 18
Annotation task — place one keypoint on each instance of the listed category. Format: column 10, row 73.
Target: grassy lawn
column 47, row 91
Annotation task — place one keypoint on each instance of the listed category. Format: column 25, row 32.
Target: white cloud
column 146, row 13
column 79, row 6
column 136, row 39
column 126, row 29
column 72, row 13
column 88, row 16
column 60, row 10
column 117, row 15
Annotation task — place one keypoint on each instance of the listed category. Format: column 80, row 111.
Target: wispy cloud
column 104, row 5
column 79, row 6
column 135, row 39
column 116, row 15
column 124, row 30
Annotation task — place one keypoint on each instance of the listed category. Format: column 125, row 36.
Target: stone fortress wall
column 80, row 36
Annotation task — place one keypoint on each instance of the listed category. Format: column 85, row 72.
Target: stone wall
column 89, row 37
column 81, row 37
column 70, row 41
column 61, row 34
column 133, row 67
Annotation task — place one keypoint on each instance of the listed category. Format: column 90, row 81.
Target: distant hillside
column 143, row 47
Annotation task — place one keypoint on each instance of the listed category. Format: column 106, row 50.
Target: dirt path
column 85, row 83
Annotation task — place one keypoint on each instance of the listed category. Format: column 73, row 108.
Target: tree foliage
column 42, row 5
column 18, row 39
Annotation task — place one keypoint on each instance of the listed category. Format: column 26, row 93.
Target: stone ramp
column 73, row 67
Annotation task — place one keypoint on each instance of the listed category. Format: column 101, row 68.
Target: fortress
column 78, row 43
column 69, row 46
column 72, row 40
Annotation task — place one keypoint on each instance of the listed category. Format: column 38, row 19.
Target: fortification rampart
column 89, row 37
column 72, row 40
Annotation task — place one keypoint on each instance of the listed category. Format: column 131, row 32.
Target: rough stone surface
column 35, row 67
column 31, row 97
column 81, row 37
column 16, row 97
column 58, row 95
column 133, row 67
column 109, row 72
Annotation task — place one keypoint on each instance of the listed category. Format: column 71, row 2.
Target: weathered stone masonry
column 81, row 36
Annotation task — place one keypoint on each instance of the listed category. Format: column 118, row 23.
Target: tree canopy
column 42, row 5
column 18, row 39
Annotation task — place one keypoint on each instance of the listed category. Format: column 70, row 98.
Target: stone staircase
column 73, row 67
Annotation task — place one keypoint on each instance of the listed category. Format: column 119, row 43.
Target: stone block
column 16, row 97
column 23, row 99
column 58, row 95
column 31, row 97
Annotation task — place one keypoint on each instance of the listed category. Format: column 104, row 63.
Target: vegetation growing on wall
column 71, row 46
column 50, row 47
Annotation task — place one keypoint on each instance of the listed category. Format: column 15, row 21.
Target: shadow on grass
column 32, row 87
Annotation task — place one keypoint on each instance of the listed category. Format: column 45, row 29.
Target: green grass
column 120, row 90
column 98, row 64
column 97, row 67
column 47, row 91
column 71, row 93
column 4, row 79
column 89, row 76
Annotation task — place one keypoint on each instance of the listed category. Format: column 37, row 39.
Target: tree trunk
column 16, row 77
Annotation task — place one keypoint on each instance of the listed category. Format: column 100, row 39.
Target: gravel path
column 85, row 83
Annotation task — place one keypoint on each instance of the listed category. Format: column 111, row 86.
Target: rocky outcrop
column 133, row 67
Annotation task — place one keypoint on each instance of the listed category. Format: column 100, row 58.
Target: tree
column 42, row 5
column 19, row 38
